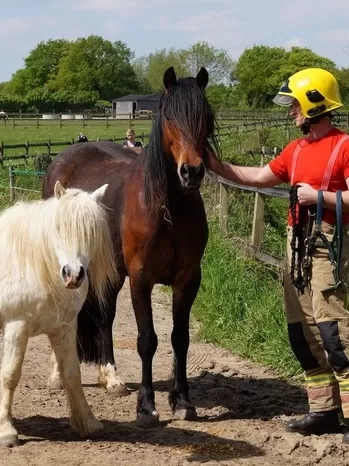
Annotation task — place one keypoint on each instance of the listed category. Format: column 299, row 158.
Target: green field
column 33, row 130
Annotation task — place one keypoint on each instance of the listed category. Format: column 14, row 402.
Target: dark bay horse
column 159, row 229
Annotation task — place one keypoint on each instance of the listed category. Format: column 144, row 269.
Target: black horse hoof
column 185, row 414
column 148, row 419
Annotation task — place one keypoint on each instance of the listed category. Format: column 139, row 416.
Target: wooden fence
column 235, row 120
column 24, row 151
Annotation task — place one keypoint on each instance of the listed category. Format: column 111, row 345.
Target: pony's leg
column 147, row 342
column 184, row 293
column 95, row 340
column 15, row 344
column 63, row 342
column 55, row 380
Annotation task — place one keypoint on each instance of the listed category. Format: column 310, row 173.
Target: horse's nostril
column 184, row 170
column 65, row 271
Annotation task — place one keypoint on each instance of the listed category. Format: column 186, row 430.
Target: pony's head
column 183, row 134
column 82, row 240
column 188, row 126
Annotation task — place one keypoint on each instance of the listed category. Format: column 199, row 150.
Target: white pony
column 50, row 253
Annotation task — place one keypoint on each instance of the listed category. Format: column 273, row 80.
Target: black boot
column 325, row 422
column 346, row 437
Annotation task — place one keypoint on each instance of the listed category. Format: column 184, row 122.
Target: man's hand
column 306, row 194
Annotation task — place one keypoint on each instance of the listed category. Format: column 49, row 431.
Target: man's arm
column 260, row 177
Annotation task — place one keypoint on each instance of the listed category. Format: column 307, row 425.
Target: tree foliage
column 261, row 70
column 99, row 65
column 89, row 72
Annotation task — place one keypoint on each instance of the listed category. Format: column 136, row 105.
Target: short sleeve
column 281, row 165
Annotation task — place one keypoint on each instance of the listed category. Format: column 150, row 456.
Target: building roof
column 138, row 97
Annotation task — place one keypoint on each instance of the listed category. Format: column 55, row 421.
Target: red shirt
column 311, row 165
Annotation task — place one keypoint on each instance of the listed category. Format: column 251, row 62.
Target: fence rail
column 22, row 158
column 254, row 245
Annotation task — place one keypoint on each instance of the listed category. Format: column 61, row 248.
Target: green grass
column 240, row 306
column 25, row 130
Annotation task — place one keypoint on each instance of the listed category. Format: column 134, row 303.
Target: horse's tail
column 94, row 332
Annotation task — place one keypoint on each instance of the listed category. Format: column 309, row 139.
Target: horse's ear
column 202, row 78
column 59, row 189
column 99, row 193
column 170, row 79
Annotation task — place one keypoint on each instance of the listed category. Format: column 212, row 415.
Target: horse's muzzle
column 72, row 276
column 190, row 176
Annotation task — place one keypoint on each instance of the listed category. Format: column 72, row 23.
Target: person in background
column 131, row 140
column 315, row 285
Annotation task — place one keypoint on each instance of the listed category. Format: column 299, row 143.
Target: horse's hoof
column 185, row 414
column 118, row 390
column 149, row 419
column 9, row 440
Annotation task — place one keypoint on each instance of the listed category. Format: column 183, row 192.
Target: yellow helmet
column 315, row 89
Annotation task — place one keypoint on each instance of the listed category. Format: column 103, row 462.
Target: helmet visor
column 283, row 100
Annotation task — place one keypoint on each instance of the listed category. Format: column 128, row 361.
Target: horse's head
column 75, row 246
column 187, row 124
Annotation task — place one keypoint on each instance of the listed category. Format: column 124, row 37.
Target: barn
column 138, row 105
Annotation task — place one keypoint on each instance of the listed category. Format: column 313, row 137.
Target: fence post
column 258, row 214
column 223, row 207
column 12, row 178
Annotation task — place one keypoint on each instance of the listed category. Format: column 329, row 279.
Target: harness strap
column 311, row 241
column 330, row 164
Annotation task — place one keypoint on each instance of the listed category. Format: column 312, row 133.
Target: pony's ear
column 170, row 78
column 99, row 193
column 59, row 189
column 202, row 78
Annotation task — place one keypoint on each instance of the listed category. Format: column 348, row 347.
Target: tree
column 41, row 65
column 151, row 69
column 261, row 70
column 95, row 64
column 217, row 62
column 254, row 73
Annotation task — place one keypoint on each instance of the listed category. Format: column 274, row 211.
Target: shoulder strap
column 331, row 161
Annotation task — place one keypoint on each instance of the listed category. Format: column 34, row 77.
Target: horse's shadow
column 201, row 446
column 241, row 398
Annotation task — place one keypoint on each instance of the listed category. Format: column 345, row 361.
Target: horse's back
column 88, row 165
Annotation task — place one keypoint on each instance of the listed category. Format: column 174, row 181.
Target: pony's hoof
column 93, row 429
column 9, row 440
column 118, row 390
column 148, row 419
column 54, row 385
column 185, row 414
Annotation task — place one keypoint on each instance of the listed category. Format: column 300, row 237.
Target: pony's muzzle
column 72, row 276
column 190, row 176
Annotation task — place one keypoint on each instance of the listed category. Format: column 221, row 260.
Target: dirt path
column 242, row 409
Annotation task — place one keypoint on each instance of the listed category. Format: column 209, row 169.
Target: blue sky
column 149, row 25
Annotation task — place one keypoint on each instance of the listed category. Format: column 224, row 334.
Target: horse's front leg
column 184, row 293
column 63, row 342
column 147, row 343
column 15, row 344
